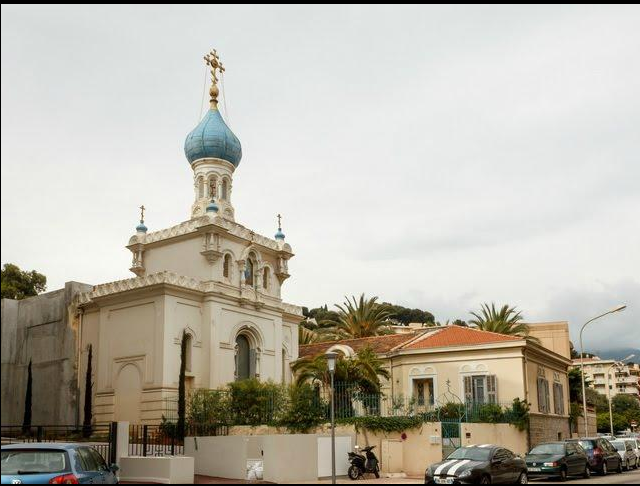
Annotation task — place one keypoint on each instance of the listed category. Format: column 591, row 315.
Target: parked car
column 603, row 457
column 54, row 463
column 635, row 441
column 558, row 459
column 626, row 451
column 484, row 464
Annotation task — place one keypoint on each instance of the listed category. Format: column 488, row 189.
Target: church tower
column 208, row 277
column 214, row 153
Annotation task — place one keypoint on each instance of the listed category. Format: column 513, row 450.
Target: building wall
column 42, row 329
column 504, row 434
column 547, row 428
column 452, row 366
column 553, row 336
column 136, row 339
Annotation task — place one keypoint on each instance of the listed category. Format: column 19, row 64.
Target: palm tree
column 363, row 369
column 508, row 320
column 358, row 319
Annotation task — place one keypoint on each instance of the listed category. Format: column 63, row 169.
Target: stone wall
column 547, row 428
column 42, row 329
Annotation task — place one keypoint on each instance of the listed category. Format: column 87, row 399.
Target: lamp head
column 619, row 308
column 331, row 361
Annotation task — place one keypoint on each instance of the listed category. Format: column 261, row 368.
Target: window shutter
column 468, row 389
column 492, row 389
column 540, row 395
column 252, row 363
column 547, row 398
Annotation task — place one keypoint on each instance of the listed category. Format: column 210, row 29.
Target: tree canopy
column 18, row 284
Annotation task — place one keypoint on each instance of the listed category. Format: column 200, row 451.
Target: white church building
column 208, row 276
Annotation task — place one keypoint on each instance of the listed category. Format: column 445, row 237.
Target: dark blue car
column 39, row 463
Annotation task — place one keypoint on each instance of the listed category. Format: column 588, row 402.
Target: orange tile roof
column 459, row 336
column 379, row 344
column 434, row 337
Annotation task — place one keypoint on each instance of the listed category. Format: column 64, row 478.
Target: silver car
column 626, row 450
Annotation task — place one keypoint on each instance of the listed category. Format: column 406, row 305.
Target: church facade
column 209, row 277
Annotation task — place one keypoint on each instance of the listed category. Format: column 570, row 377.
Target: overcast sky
column 438, row 157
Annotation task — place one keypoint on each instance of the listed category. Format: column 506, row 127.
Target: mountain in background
column 619, row 353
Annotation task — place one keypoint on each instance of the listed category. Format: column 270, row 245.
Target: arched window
column 243, row 358
column 265, row 278
column 248, row 273
column 189, row 342
column 200, row 187
column 225, row 189
column 226, row 266
column 212, row 186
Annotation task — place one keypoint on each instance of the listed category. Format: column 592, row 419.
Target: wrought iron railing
column 269, row 407
column 100, row 437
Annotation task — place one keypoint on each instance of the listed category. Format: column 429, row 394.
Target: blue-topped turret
column 212, row 138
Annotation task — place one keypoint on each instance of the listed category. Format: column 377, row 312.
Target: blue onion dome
column 279, row 234
column 212, row 207
column 212, row 138
column 141, row 228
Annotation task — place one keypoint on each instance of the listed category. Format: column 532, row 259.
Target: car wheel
column 619, row 470
column 485, row 479
column 563, row 475
column 523, row 479
column 604, row 469
column 587, row 472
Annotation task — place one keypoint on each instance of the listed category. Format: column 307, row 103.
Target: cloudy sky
column 438, row 157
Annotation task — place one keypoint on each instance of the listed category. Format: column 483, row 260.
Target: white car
column 635, row 442
column 626, row 451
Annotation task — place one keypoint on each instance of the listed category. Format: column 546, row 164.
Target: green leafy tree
column 507, row 320
column 405, row 315
column 18, row 284
column 357, row 319
column 28, row 400
column 597, row 400
column 182, row 399
column 88, row 392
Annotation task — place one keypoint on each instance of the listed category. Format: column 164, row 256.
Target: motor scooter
column 363, row 463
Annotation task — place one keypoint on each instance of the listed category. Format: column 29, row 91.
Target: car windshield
column 472, row 453
column 548, row 449
column 28, row 461
column 620, row 446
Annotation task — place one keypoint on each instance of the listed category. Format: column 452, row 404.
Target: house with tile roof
column 436, row 365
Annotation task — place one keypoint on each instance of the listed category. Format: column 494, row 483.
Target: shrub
column 256, row 403
column 489, row 413
column 519, row 414
column 305, row 410
column 209, row 407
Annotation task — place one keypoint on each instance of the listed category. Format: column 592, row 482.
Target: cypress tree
column 28, row 398
column 181, row 387
column 88, row 397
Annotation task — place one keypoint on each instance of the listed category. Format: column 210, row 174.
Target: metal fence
column 100, row 437
column 266, row 407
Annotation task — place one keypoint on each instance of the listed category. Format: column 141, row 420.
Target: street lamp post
column 616, row 364
column 584, row 395
column 331, row 364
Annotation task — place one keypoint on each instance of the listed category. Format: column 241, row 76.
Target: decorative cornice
column 247, row 296
column 230, row 227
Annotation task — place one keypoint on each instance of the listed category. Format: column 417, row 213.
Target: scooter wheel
column 354, row 472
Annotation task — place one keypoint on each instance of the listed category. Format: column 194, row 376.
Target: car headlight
column 465, row 474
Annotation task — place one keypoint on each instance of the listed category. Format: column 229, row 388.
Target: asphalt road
column 631, row 477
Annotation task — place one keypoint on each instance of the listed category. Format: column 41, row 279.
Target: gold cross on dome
column 142, row 208
column 213, row 60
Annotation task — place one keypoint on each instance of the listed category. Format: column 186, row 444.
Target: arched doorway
column 128, row 391
column 243, row 357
